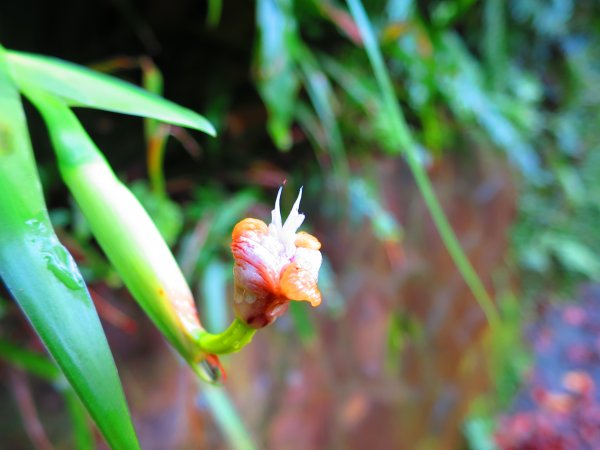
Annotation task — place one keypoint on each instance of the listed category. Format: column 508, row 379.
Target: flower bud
column 273, row 265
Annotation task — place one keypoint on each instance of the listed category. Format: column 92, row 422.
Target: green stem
column 227, row 418
column 421, row 178
column 494, row 42
column 231, row 340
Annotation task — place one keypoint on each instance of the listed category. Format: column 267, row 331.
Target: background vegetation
column 501, row 102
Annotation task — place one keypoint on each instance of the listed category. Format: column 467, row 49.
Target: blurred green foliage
column 519, row 76
column 556, row 239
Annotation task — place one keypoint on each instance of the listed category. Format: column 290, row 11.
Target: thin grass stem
column 410, row 151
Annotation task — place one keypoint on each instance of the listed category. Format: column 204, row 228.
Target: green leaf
column 79, row 86
column 574, row 255
column 322, row 98
column 29, row 361
column 227, row 418
column 462, row 83
column 166, row 214
column 277, row 80
column 365, row 203
column 220, row 219
column 410, row 149
column 479, row 432
column 44, row 280
column 213, row 16
column 124, row 230
column 303, row 323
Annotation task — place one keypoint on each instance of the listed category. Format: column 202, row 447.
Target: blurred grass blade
column 39, row 365
column 80, row 86
column 22, row 393
column 362, row 91
column 277, row 81
column 152, row 81
column 44, row 279
column 494, row 41
column 459, row 72
column 28, row 361
column 213, row 16
column 83, row 438
column 321, row 96
column 197, row 251
column 155, row 132
column 303, row 323
column 213, row 285
column 156, row 145
column 227, row 418
column 409, row 148
column 365, row 202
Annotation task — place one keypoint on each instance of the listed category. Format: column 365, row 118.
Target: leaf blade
column 44, row 280
column 80, row 86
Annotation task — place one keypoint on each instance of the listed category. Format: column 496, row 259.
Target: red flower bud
column 273, row 265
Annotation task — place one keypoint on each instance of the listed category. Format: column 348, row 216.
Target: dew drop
column 57, row 258
column 208, row 372
column 60, row 262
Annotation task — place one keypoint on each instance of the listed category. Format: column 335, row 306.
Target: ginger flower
column 273, row 265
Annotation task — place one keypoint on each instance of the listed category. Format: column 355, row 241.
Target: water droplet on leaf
column 60, row 262
column 58, row 259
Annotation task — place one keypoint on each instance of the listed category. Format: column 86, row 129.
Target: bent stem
column 232, row 340
column 422, row 180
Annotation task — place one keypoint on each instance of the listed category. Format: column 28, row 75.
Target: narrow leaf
column 80, row 86
column 123, row 229
column 44, row 280
column 227, row 418
column 409, row 147
column 322, row 97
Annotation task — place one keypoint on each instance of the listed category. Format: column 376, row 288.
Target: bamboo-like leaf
column 44, row 280
column 79, row 86
column 123, row 229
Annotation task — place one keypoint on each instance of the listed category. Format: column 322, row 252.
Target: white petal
column 248, row 251
column 309, row 259
column 294, row 219
column 276, row 212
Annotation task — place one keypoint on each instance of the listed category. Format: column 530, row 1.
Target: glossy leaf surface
column 43, row 278
column 79, row 86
